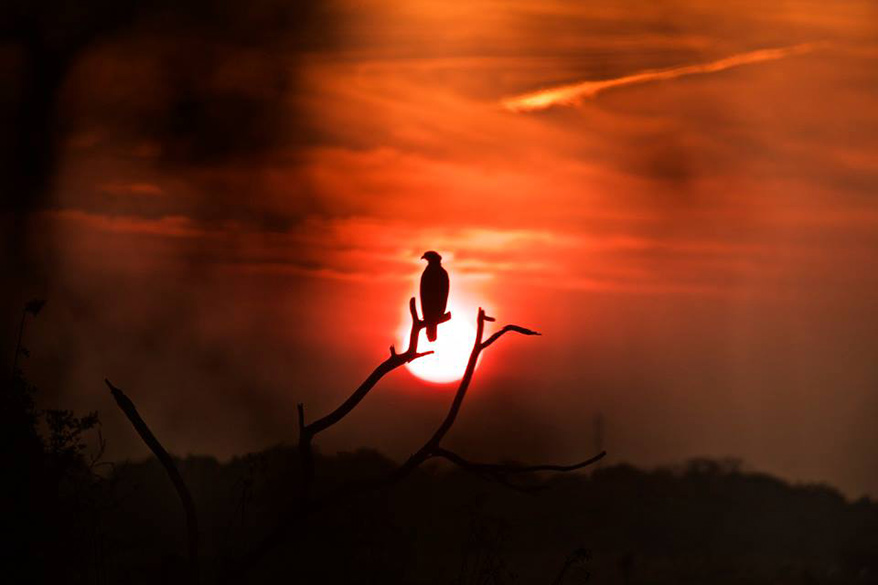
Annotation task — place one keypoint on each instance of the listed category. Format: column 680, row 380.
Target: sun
column 451, row 349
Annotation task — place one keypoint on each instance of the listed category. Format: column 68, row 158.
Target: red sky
column 690, row 220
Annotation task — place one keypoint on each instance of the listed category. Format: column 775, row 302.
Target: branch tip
column 118, row 395
column 499, row 472
column 507, row 329
column 413, row 309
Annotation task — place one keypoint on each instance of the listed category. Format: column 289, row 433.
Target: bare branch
column 307, row 432
column 512, row 469
column 507, row 329
column 430, row 449
column 167, row 462
column 394, row 361
column 305, row 452
column 432, row 444
column 499, row 472
column 424, row 452
column 482, row 470
column 496, row 472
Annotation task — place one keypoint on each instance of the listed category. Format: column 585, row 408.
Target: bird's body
column 434, row 293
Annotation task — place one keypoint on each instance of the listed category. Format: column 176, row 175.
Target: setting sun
column 451, row 349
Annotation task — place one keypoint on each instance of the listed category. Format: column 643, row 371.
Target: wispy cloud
column 121, row 189
column 573, row 94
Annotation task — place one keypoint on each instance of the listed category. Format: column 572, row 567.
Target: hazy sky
column 680, row 195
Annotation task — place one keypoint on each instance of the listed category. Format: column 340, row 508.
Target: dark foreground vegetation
column 704, row 522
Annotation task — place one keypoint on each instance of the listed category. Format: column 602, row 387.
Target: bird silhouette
column 434, row 293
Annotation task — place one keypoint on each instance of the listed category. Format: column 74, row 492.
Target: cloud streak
column 573, row 94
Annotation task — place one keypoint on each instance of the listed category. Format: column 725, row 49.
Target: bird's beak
column 424, row 257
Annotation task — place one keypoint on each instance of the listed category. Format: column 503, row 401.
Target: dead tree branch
column 507, row 329
column 432, row 448
column 499, row 472
column 167, row 462
column 308, row 505
column 509, row 469
column 429, row 448
column 393, row 361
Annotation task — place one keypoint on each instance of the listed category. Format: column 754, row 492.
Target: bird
column 434, row 292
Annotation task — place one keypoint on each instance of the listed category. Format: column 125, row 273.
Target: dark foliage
column 706, row 521
column 48, row 492
column 48, row 488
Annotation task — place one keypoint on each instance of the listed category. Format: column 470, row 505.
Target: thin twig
column 507, row 329
column 499, row 471
column 513, row 468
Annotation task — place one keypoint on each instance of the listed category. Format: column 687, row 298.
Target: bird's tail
column 431, row 331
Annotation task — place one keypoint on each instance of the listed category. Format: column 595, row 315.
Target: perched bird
column 434, row 292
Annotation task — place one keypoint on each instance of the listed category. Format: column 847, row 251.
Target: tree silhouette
column 44, row 469
column 292, row 523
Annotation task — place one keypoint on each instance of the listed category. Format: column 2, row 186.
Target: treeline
column 703, row 522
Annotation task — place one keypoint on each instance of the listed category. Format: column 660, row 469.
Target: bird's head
column 431, row 257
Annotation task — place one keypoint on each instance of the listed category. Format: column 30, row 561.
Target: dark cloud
column 205, row 119
column 200, row 112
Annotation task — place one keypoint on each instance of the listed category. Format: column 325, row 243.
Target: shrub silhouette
column 45, row 473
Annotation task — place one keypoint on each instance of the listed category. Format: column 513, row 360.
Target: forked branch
column 433, row 448
column 307, row 504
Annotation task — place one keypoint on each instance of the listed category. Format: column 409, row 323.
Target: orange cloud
column 130, row 189
column 570, row 95
column 171, row 227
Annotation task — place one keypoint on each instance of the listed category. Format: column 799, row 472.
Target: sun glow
column 452, row 347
